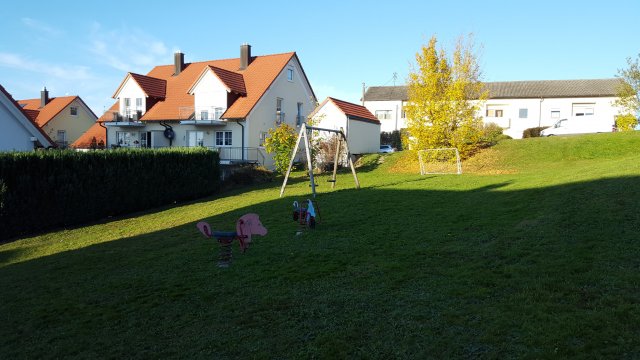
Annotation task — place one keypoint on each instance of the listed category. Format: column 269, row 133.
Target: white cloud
column 41, row 27
column 67, row 72
column 127, row 49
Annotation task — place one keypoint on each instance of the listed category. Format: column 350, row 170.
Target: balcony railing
column 116, row 116
column 238, row 155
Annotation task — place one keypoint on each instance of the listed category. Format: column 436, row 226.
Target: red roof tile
column 232, row 80
column 257, row 77
column 46, row 114
column 153, row 87
column 354, row 110
column 84, row 141
column 22, row 110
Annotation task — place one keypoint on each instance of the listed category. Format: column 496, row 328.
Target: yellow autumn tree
column 445, row 95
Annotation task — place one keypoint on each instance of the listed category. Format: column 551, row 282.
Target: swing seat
column 330, row 180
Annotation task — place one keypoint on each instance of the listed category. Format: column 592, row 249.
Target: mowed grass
column 534, row 252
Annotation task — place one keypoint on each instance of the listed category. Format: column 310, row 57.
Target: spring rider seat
column 247, row 225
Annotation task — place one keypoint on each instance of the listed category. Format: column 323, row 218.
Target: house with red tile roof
column 64, row 118
column 94, row 138
column 360, row 126
column 17, row 131
column 228, row 105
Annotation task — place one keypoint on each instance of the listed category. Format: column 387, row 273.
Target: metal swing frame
column 304, row 134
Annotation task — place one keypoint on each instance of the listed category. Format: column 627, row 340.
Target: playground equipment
column 247, row 225
column 304, row 130
column 306, row 215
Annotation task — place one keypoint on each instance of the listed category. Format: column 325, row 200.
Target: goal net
column 440, row 161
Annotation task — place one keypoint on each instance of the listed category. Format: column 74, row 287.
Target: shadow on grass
column 394, row 273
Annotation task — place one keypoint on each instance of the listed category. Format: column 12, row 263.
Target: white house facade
column 360, row 126
column 517, row 105
column 227, row 105
column 17, row 131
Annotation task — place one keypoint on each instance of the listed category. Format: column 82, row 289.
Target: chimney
column 44, row 97
column 245, row 56
column 178, row 61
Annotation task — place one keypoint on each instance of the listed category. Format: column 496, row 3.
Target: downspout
column 540, row 113
column 242, row 148
column 106, row 135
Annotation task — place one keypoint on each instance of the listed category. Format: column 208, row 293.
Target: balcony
column 129, row 119
column 202, row 115
column 238, row 155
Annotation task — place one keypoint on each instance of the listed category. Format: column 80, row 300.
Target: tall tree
column 629, row 92
column 445, row 95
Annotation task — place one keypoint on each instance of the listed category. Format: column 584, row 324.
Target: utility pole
column 395, row 76
column 363, row 93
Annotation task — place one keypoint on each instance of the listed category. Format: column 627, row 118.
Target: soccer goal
column 440, row 161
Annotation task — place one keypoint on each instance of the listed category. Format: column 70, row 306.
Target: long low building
column 514, row 105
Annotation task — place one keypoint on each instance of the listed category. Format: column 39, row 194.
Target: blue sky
column 86, row 48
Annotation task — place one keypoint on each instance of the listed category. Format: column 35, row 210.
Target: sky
column 87, row 48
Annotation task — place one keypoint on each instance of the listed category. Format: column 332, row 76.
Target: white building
column 17, row 131
column 228, row 105
column 515, row 105
column 360, row 126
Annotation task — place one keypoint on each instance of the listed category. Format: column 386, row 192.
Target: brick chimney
column 44, row 97
column 178, row 63
column 245, row 56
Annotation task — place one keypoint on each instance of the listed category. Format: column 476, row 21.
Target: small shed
column 360, row 126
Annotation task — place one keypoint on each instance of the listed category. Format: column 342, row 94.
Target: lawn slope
column 535, row 254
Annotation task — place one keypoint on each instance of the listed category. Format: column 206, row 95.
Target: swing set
column 304, row 134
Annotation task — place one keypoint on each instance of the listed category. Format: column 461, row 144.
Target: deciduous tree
column 629, row 93
column 444, row 97
column 281, row 141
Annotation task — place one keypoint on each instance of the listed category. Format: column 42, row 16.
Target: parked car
column 386, row 149
column 578, row 125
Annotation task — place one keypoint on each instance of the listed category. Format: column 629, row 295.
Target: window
column 383, row 114
column 138, row 103
column 127, row 107
column 204, row 115
column 223, row 138
column 555, row 114
column 523, row 113
column 290, row 74
column 493, row 111
column 263, row 137
column 583, row 109
column 61, row 138
column 403, row 114
column 279, row 112
column 299, row 116
column 128, row 139
column 73, row 111
column 195, row 138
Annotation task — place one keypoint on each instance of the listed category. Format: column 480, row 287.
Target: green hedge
column 42, row 190
column 533, row 132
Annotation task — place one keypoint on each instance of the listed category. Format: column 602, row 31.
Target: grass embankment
column 532, row 254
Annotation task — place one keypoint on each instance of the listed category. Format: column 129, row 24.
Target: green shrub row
column 46, row 189
column 533, row 132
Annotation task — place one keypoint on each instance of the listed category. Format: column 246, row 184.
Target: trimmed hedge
column 42, row 190
column 533, row 132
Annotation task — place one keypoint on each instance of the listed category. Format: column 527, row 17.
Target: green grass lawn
column 540, row 259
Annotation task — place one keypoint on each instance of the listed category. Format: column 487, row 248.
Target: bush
column 533, row 132
column 626, row 122
column 249, row 175
column 491, row 134
column 48, row 189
